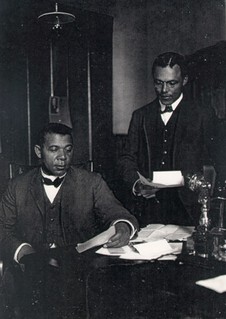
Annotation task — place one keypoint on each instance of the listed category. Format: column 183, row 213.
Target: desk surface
column 160, row 289
column 97, row 286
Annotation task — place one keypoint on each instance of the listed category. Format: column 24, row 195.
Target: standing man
column 58, row 205
column 170, row 133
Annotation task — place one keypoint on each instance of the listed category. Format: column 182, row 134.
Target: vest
column 53, row 226
column 162, row 149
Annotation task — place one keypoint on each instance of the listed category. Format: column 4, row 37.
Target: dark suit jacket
column 192, row 145
column 87, row 207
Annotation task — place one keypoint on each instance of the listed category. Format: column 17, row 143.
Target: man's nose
column 164, row 87
column 62, row 154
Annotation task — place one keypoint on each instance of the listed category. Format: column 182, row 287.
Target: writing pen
column 133, row 248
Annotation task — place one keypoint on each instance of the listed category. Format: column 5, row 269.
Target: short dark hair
column 56, row 128
column 170, row 59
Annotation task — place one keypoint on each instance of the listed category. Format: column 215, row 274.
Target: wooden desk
column 106, row 287
column 164, row 289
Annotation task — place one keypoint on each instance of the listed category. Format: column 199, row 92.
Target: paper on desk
column 149, row 251
column 126, row 252
column 163, row 179
column 217, row 284
column 113, row 251
column 153, row 232
column 97, row 240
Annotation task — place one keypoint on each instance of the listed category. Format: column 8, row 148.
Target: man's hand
column 145, row 190
column 24, row 251
column 122, row 236
column 148, row 191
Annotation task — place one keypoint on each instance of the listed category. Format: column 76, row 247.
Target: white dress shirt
column 166, row 116
column 51, row 192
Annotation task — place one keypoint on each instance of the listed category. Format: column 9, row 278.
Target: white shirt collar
column 174, row 104
column 51, row 190
column 52, row 177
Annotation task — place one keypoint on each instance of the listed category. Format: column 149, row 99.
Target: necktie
column 168, row 108
column 55, row 183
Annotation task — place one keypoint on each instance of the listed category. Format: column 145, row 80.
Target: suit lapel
column 149, row 122
column 37, row 190
column 71, row 203
column 186, row 116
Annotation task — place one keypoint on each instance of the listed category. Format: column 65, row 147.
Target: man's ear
column 185, row 80
column 38, row 151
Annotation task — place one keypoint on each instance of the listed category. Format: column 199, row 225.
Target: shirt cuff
column 133, row 229
column 134, row 191
column 18, row 250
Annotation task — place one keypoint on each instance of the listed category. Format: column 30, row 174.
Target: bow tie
column 55, row 183
column 168, row 108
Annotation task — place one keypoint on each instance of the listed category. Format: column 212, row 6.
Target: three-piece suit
column 190, row 135
column 83, row 207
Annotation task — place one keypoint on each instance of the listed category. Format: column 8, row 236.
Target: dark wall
column 25, row 81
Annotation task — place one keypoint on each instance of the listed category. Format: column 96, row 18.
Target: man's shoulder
column 194, row 106
column 82, row 173
column 26, row 175
column 147, row 108
column 20, row 183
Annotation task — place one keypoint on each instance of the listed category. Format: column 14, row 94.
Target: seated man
column 57, row 204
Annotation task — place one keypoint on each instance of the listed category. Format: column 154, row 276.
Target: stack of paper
column 145, row 251
column 155, row 232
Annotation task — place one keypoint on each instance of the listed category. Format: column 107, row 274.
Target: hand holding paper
column 152, row 243
column 161, row 179
column 121, row 236
column 97, row 240
column 145, row 190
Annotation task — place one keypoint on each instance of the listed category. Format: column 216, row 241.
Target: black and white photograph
column 113, row 159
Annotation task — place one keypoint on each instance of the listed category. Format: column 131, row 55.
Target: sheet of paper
column 164, row 179
column 97, row 240
column 217, row 284
column 149, row 251
column 182, row 232
column 177, row 248
column 147, row 231
column 113, row 251
column 168, row 257
column 126, row 252
column 155, row 232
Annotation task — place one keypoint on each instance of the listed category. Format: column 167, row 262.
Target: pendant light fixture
column 56, row 18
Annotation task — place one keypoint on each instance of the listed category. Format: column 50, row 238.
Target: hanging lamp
column 56, row 18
